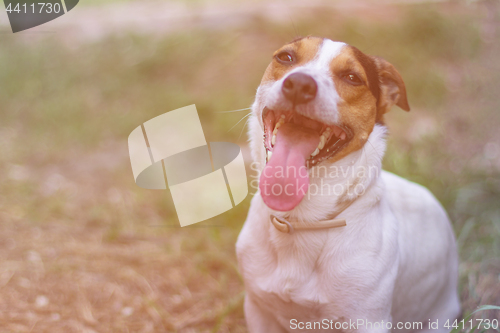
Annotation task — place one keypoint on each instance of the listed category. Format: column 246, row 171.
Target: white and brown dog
column 320, row 109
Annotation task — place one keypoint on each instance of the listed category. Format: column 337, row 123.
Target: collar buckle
column 285, row 226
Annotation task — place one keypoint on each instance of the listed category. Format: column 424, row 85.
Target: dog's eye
column 285, row 57
column 353, row 79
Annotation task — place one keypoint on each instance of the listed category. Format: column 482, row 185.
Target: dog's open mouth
column 294, row 143
column 332, row 138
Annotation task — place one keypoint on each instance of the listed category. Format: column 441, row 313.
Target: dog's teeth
column 342, row 136
column 279, row 123
column 322, row 141
column 275, row 131
column 316, row 152
column 268, row 155
column 327, row 133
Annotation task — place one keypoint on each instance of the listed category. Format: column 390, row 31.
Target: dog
column 393, row 264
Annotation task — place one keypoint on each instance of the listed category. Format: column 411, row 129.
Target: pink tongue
column 285, row 180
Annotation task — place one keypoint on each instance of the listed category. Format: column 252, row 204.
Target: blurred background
column 83, row 249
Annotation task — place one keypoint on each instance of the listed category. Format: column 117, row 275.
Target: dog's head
column 318, row 102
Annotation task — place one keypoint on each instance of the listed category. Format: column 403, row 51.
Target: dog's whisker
column 297, row 34
column 239, row 110
column 246, row 122
column 240, row 121
column 375, row 150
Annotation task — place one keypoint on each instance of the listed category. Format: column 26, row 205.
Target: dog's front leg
column 258, row 320
column 370, row 311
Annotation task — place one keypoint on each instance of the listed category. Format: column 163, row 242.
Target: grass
column 84, row 249
column 468, row 324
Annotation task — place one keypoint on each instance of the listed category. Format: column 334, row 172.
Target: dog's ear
column 392, row 87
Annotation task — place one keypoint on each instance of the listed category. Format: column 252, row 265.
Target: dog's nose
column 299, row 88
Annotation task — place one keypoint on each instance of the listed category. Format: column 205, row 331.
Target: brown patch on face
column 302, row 51
column 358, row 104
